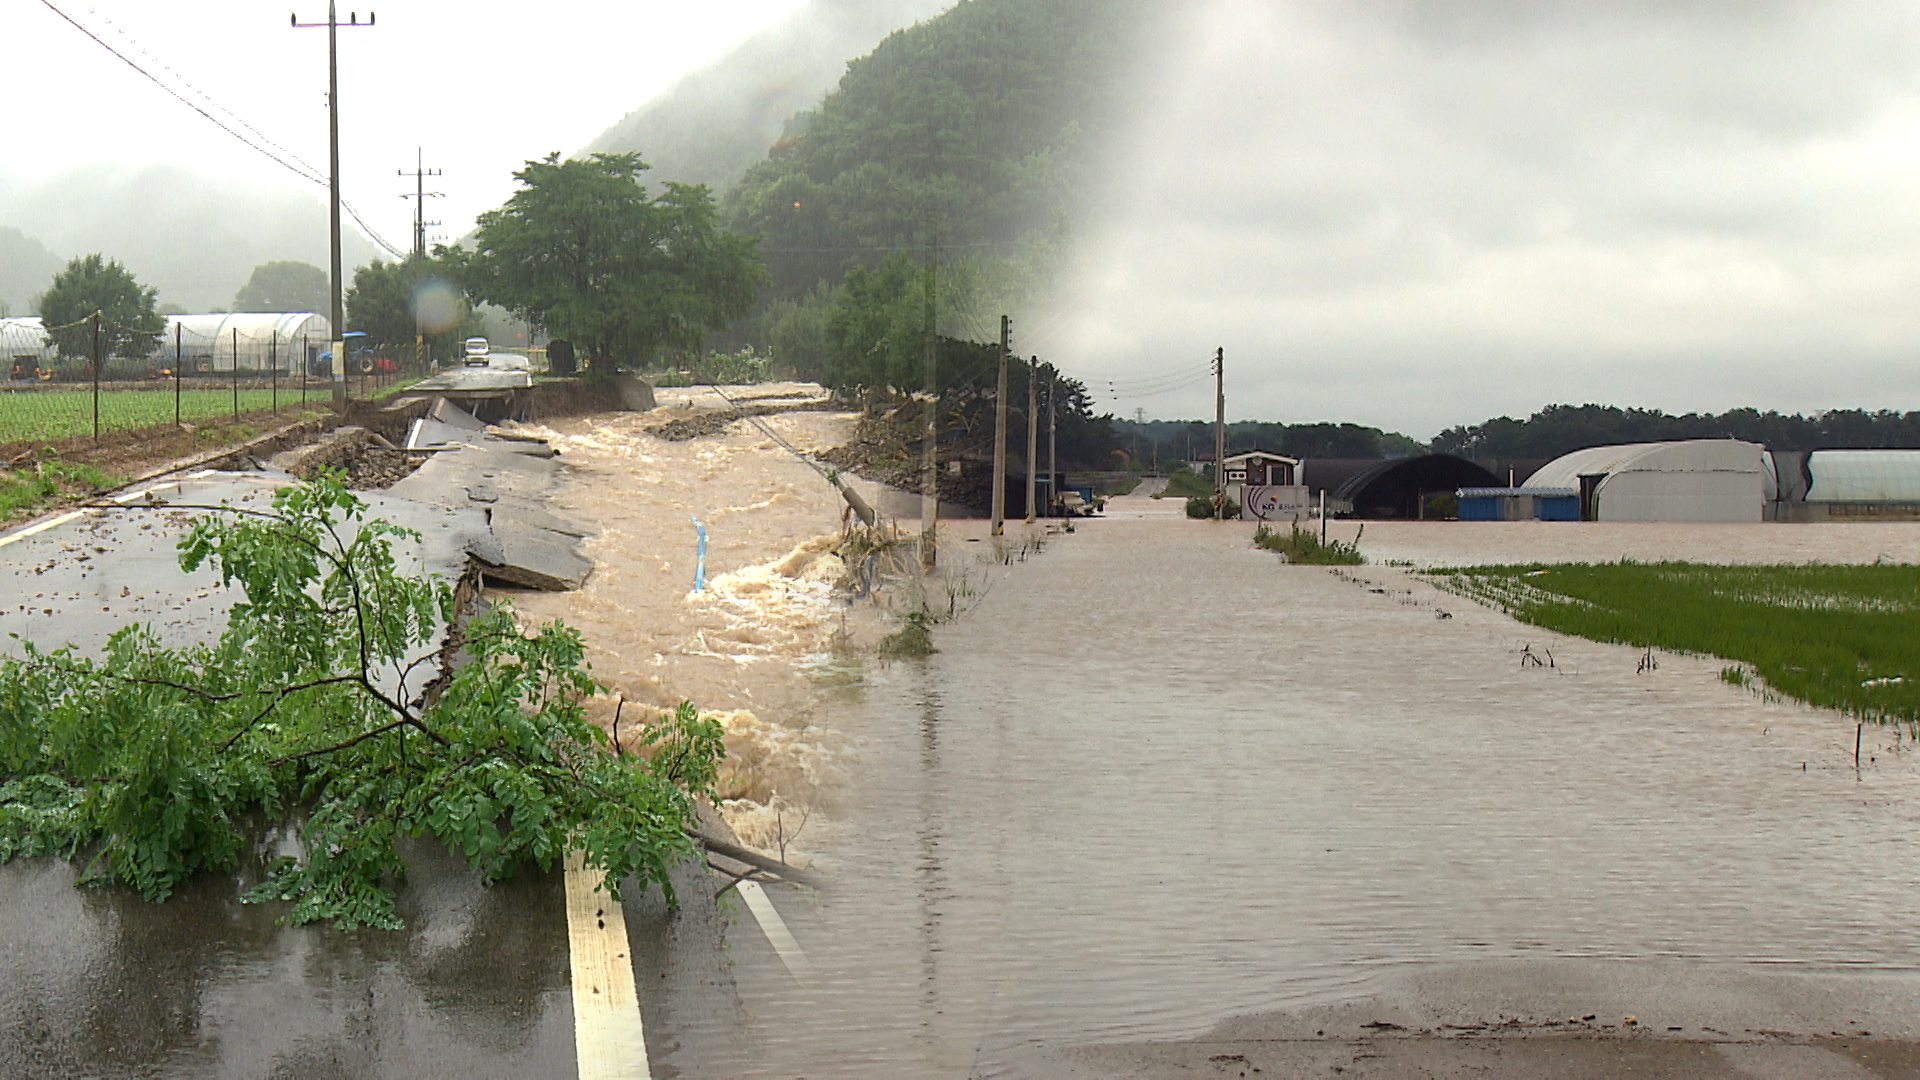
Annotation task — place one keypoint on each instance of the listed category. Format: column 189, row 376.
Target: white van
column 477, row 350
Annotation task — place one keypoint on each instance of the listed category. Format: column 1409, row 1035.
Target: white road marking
column 608, row 1038
column 775, row 928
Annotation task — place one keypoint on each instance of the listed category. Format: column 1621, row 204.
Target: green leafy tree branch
column 145, row 762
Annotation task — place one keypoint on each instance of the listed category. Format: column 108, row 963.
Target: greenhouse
column 1693, row 480
column 192, row 344
column 254, row 341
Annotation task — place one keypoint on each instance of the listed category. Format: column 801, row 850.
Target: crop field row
column 61, row 414
column 1839, row 637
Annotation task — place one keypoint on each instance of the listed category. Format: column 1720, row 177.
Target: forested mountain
column 973, row 131
column 1560, row 429
column 714, row 123
column 26, row 266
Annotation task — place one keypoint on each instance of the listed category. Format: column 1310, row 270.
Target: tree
column 391, row 302
column 586, row 253
column 310, row 709
column 285, row 286
column 129, row 328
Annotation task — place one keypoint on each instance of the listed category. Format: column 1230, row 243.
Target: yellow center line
column 608, row 1038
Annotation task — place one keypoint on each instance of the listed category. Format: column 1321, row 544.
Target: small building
column 1518, row 504
column 1260, row 467
column 1690, row 480
column 1263, row 486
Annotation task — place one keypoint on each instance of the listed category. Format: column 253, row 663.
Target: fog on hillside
column 712, row 124
column 193, row 236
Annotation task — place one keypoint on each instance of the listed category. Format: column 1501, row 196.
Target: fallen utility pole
column 1219, row 433
column 336, row 287
column 1033, row 431
column 832, row 476
column 1000, row 434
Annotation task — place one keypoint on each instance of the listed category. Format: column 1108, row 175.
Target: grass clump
column 1838, row 637
column 24, row 490
column 914, row 639
column 1303, row 546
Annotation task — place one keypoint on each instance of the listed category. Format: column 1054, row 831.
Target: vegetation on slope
column 970, row 130
column 1839, row 637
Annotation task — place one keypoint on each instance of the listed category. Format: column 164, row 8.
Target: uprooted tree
column 319, row 704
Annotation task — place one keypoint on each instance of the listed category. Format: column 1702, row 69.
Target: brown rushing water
column 1158, row 779
column 753, row 646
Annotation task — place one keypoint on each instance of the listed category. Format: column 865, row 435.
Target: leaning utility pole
column 420, row 196
column 333, row 189
column 1219, row 433
column 1000, row 433
column 1033, row 431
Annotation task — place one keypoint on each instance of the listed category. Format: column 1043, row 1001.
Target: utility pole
column 1053, row 438
column 930, row 464
column 1033, row 431
column 1000, row 433
column 420, row 196
column 339, row 312
column 1219, row 433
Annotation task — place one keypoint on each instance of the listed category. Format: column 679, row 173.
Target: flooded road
column 1158, row 780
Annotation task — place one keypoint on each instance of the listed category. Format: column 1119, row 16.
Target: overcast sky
column 1406, row 214
column 480, row 85
column 1422, row 214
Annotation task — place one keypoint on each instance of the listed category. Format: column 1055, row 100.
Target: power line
column 313, row 173
column 295, row 166
column 177, row 96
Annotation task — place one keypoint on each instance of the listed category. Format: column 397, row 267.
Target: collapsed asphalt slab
column 507, row 478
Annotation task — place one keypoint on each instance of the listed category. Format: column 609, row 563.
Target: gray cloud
column 1420, row 214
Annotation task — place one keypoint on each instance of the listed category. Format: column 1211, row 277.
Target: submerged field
column 1840, row 637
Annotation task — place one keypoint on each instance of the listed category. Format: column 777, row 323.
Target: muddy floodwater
column 1157, row 780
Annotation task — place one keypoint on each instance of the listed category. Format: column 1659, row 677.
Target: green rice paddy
column 62, row 414
column 1838, row 637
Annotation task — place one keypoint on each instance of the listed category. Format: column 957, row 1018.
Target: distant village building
column 1263, row 486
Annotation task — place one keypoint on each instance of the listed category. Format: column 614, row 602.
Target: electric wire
column 305, row 172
